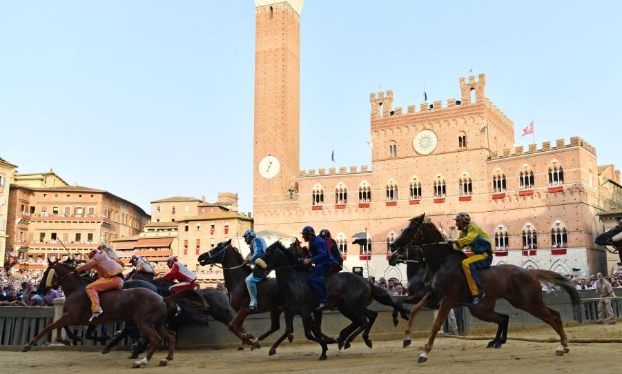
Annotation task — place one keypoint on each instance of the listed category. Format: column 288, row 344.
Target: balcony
column 391, row 203
column 364, row 205
column 340, row 206
column 498, row 195
column 317, row 207
column 554, row 189
column 414, row 201
column 465, row 198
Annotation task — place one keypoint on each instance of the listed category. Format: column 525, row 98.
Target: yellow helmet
column 463, row 217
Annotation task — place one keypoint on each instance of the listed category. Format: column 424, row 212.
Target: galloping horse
column 146, row 308
column 270, row 298
column 348, row 292
column 604, row 239
column 521, row 287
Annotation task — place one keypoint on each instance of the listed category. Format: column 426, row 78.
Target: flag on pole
column 425, row 95
column 528, row 129
column 332, row 156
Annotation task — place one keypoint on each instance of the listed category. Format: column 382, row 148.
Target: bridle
column 55, row 281
column 223, row 252
column 422, row 243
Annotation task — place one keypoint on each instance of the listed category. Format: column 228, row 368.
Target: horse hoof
column 26, row 348
column 136, row 365
column 368, row 343
column 105, row 351
column 290, row 338
column 559, row 353
column 163, row 362
column 133, row 356
column 421, row 360
column 241, row 348
column 490, row 345
column 272, row 352
column 322, row 358
column 406, row 343
column 395, row 322
column 566, row 350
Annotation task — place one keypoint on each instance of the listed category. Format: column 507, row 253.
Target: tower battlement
column 342, row 170
column 546, row 146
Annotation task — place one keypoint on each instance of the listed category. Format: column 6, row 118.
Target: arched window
column 440, row 189
column 556, row 174
column 341, row 194
column 526, row 178
column 392, row 149
column 342, row 243
column 466, row 186
column 498, row 182
column 502, row 239
column 462, row 141
column 391, row 190
column 318, row 195
column 364, row 192
column 530, row 237
column 559, row 235
column 415, row 189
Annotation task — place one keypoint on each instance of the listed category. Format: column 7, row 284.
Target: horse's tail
column 551, row 277
column 382, row 296
column 190, row 295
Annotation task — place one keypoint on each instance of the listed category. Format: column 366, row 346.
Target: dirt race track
column 593, row 348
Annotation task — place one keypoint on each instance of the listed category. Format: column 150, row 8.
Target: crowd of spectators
column 20, row 290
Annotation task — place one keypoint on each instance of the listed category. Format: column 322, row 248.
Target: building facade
column 187, row 227
column 540, row 204
column 51, row 219
column 7, row 173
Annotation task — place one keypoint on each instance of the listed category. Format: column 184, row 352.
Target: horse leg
column 235, row 326
column 411, row 319
column 343, row 340
column 117, row 338
column 317, row 317
column 436, row 326
column 289, row 329
column 371, row 318
column 313, row 333
column 551, row 317
column 485, row 311
column 170, row 337
column 154, row 339
column 64, row 320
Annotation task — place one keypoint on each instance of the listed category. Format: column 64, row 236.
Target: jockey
column 110, row 278
column 141, row 265
column 472, row 236
column 185, row 277
column 322, row 261
column 257, row 246
column 333, row 250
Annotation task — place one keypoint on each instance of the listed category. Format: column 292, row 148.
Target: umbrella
column 360, row 235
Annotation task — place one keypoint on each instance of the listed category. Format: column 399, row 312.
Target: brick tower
column 276, row 156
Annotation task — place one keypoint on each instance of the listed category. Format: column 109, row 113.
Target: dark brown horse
column 351, row 294
column 520, row 287
column 268, row 294
column 604, row 239
column 146, row 308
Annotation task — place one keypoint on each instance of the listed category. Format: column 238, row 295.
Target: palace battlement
column 341, row 171
column 546, row 146
column 382, row 102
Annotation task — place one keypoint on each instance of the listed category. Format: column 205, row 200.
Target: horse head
column 604, row 238
column 215, row 255
column 55, row 275
column 408, row 236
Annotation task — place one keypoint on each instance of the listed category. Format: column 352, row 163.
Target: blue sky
column 153, row 99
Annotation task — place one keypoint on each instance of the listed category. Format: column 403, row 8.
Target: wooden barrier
column 20, row 324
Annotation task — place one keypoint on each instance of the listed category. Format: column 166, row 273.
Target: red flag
column 528, row 129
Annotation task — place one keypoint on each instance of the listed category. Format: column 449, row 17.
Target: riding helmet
column 463, row 217
column 133, row 259
column 325, row 233
column 171, row 259
column 308, row 229
column 249, row 234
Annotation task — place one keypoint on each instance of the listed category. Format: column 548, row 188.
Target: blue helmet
column 249, row 234
column 308, row 229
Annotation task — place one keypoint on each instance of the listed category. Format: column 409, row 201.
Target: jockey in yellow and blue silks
column 257, row 248
column 473, row 237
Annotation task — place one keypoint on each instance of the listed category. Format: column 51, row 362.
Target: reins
column 223, row 251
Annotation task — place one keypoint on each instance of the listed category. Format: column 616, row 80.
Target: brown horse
column 146, row 308
column 521, row 287
column 268, row 294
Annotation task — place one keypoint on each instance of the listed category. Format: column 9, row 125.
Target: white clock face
column 269, row 167
column 425, row 142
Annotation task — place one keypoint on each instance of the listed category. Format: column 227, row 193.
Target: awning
column 120, row 246
column 154, row 243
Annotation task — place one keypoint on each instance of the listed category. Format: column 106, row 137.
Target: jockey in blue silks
column 257, row 248
column 320, row 257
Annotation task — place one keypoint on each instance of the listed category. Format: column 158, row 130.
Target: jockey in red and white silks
column 181, row 273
